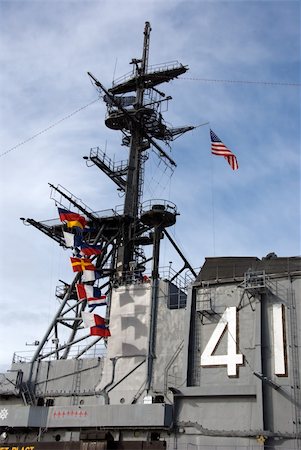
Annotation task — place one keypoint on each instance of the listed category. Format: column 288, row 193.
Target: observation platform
column 155, row 75
column 158, row 212
column 149, row 118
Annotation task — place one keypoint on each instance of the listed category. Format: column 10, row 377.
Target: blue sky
column 46, row 48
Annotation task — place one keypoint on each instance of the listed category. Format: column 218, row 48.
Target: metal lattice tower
column 121, row 232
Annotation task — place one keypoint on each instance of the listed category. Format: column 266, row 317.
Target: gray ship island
column 138, row 357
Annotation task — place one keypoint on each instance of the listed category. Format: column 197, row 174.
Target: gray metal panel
column 226, row 268
column 234, row 267
column 220, row 391
column 215, row 400
column 110, row 416
column 217, row 405
column 24, row 416
column 168, row 365
column 56, row 377
column 220, row 413
column 8, row 383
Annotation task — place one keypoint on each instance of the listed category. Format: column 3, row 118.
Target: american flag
column 218, row 148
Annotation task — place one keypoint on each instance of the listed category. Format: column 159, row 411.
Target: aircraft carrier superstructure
column 174, row 359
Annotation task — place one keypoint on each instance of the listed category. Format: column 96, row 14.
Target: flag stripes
column 218, row 148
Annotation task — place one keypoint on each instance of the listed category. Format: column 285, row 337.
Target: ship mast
column 122, row 236
column 134, row 176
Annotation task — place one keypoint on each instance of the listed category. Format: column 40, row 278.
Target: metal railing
column 117, row 211
column 119, row 166
column 94, row 352
column 166, row 205
column 155, row 68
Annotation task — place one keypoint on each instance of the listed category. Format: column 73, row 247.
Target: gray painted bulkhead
column 256, row 402
column 203, row 406
column 125, row 368
column 109, row 416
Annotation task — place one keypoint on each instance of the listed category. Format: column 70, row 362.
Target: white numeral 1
column 232, row 359
column 279, row 340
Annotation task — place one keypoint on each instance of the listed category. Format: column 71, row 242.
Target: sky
column 46, row 49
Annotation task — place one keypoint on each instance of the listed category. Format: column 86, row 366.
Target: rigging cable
column 49, row 127
column 207, row 80
column 266, row 83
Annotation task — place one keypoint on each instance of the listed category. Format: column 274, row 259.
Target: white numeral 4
column 232, row 359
